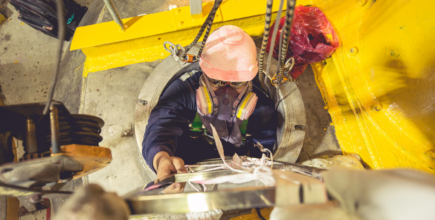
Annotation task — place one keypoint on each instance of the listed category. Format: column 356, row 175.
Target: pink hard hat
column 229, row 55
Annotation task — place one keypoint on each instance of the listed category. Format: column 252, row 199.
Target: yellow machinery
column 377, row 86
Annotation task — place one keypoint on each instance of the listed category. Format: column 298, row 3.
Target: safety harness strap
column 197, row 125
column 243, row 127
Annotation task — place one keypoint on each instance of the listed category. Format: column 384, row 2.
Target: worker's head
column 229, row 62
column 229, row 55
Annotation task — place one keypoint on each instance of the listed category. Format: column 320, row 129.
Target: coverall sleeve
column 167, row 120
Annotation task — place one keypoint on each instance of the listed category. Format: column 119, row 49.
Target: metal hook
column 287, row 64
column 172, row 47
column 288, row 67
column 175, row 50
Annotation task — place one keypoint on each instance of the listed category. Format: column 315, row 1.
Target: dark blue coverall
column 168, row 126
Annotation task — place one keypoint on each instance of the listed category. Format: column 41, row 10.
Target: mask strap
column 237, row 101
column 210, row 89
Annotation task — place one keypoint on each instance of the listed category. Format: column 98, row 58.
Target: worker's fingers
column 159, row 157
column 179, row 165
column 174, row 188
column 182, row 185
column 163, row 174
column 170, row 166
column 166, row 169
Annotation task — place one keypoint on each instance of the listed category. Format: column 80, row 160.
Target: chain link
column 289, row 64
column 175, row 50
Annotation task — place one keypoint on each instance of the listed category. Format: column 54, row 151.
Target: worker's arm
column 167, row 121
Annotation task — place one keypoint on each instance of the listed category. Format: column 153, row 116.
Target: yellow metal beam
column 106, row 46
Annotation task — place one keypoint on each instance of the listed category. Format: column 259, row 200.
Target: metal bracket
column 195, row 7
column 190, row 58
column 287, row 68
column 174, row 49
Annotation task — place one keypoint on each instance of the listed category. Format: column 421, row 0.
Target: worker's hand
column 166, row 166
column 174, row 188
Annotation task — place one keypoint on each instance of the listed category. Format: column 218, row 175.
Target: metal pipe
column 54, row 125
column 114, row 13
column 31, row 146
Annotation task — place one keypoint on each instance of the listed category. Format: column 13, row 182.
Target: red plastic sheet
column 312, row 38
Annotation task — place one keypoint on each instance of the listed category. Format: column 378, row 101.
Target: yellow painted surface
column 106, row 46
column 140, row 26
column 2, row 18
column 378, row 86
column 148, row 49
column 12, row 208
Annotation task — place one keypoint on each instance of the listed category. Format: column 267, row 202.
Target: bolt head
column 143, row 102
column 377, row 107
column 353, row 50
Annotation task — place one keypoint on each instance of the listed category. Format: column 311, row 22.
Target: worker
column 223, row 94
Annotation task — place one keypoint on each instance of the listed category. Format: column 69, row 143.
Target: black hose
column 259, row 214
column 206, row 26
column 61, row 36
column 207, row 32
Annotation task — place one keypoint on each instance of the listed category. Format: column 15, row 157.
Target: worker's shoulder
column 191, row 76
column 189, row 79
column 187, row 82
